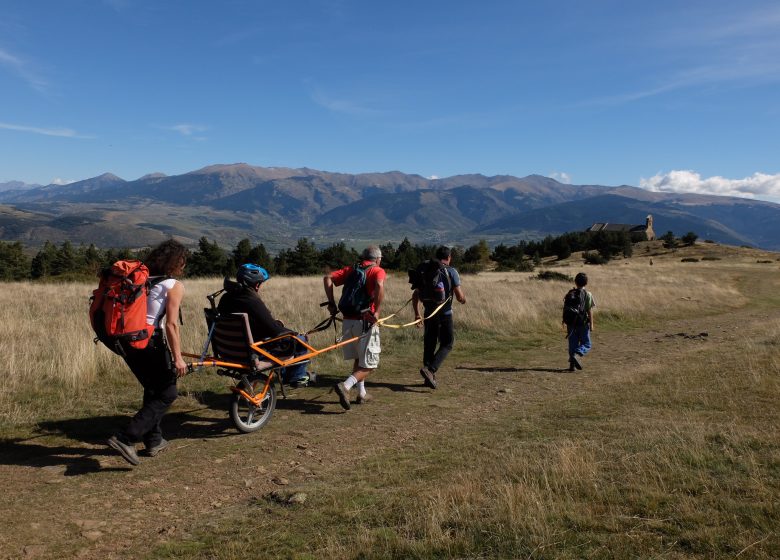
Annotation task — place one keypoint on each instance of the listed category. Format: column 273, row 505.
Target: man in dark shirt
column 439, row 328
column 243, row 296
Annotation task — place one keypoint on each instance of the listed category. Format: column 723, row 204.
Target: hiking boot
column 429, row 378
column 127, row 452
column 571, row 365
column 155, row 450
column 364, row 399
column 575, row 360
column 343, row 394
column 302, row 382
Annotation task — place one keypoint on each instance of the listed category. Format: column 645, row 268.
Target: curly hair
column 166, row 258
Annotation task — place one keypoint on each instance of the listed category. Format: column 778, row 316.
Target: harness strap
column 416, row 321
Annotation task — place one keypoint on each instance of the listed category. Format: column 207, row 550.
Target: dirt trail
column 64, row 495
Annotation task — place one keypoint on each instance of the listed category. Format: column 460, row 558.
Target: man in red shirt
column 362, row 295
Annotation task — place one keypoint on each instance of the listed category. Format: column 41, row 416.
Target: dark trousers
column 151, row 366
column 440, row 330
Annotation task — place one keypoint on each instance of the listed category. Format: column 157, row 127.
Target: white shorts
column 365, row 350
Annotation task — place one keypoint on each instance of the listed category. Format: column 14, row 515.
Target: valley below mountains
column 276, row 206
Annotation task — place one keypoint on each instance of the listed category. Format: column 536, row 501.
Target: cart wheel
column 246, row 416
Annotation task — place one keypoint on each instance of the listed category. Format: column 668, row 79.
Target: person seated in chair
column 243, row 296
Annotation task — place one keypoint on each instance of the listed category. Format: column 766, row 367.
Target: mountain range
column 277, row 205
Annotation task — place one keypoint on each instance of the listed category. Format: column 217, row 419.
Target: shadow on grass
column 498, row 369
column 94, row 431
column 328, row 381
column 76, row 460
column 308, row 406
column 399, row 387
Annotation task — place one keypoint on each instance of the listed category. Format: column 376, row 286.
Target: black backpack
column 574, row 312
column 354, row 296
column 431, row 280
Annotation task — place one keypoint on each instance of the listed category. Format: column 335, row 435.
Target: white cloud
column 561, row 177
column 61, row 132
column 22, row 69
column 9, row 59
column 758, row 185
column 433, row 177
column 732, row 48
column 60, row 181
column 186, row 129
column 346, row 106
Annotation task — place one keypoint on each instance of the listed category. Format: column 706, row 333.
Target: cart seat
column 232, row 340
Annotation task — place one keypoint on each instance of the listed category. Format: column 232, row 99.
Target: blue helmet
column 250, row 275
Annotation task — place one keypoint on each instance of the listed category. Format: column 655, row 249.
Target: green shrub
column 553, row 275
column 689, row 259
column 670, row 241
column 709, row 241
column 764, row 262
column 592, row 257
column 689, row 238
column 524, row 266
column 470, row 268
column 710, row 258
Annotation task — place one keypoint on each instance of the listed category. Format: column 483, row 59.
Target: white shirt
column 156, row 301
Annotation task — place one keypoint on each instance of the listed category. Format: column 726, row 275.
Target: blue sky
column 668, row 95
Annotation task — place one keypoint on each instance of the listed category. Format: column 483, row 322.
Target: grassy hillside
column 664, row 446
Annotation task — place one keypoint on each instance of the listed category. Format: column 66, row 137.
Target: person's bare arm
column 459, row 295
column 172, row 334
column 379, row 296
column 416, row 307
column 327, row 283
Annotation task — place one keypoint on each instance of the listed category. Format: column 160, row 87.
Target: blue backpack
column 354, row 296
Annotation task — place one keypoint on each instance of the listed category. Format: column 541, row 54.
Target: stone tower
column 649, row 228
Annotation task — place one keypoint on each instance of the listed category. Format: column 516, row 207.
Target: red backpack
column 117, row 307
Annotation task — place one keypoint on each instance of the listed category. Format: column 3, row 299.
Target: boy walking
column 578, row 307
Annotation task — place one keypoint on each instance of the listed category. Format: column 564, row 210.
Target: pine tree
column 208, row 260
column 14, row 264
column 304, row 259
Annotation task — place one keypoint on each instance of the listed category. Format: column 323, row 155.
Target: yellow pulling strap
column 381, row 322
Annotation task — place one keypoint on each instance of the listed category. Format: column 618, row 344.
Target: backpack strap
column 365, row 270
column 448, row 280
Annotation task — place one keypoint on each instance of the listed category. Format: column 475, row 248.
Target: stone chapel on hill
column 646, row 228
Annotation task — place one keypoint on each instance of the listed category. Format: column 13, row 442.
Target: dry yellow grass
column 662, row 447
column 49, row 348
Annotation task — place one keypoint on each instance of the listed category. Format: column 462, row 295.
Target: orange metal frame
column 312, row 352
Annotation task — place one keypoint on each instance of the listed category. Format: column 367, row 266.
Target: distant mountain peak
column 229, row 168
column 109, row 177
column 17, row 185
column 246, row 172
column 281, row 203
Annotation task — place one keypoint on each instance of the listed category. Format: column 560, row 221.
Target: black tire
column 247, row 417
